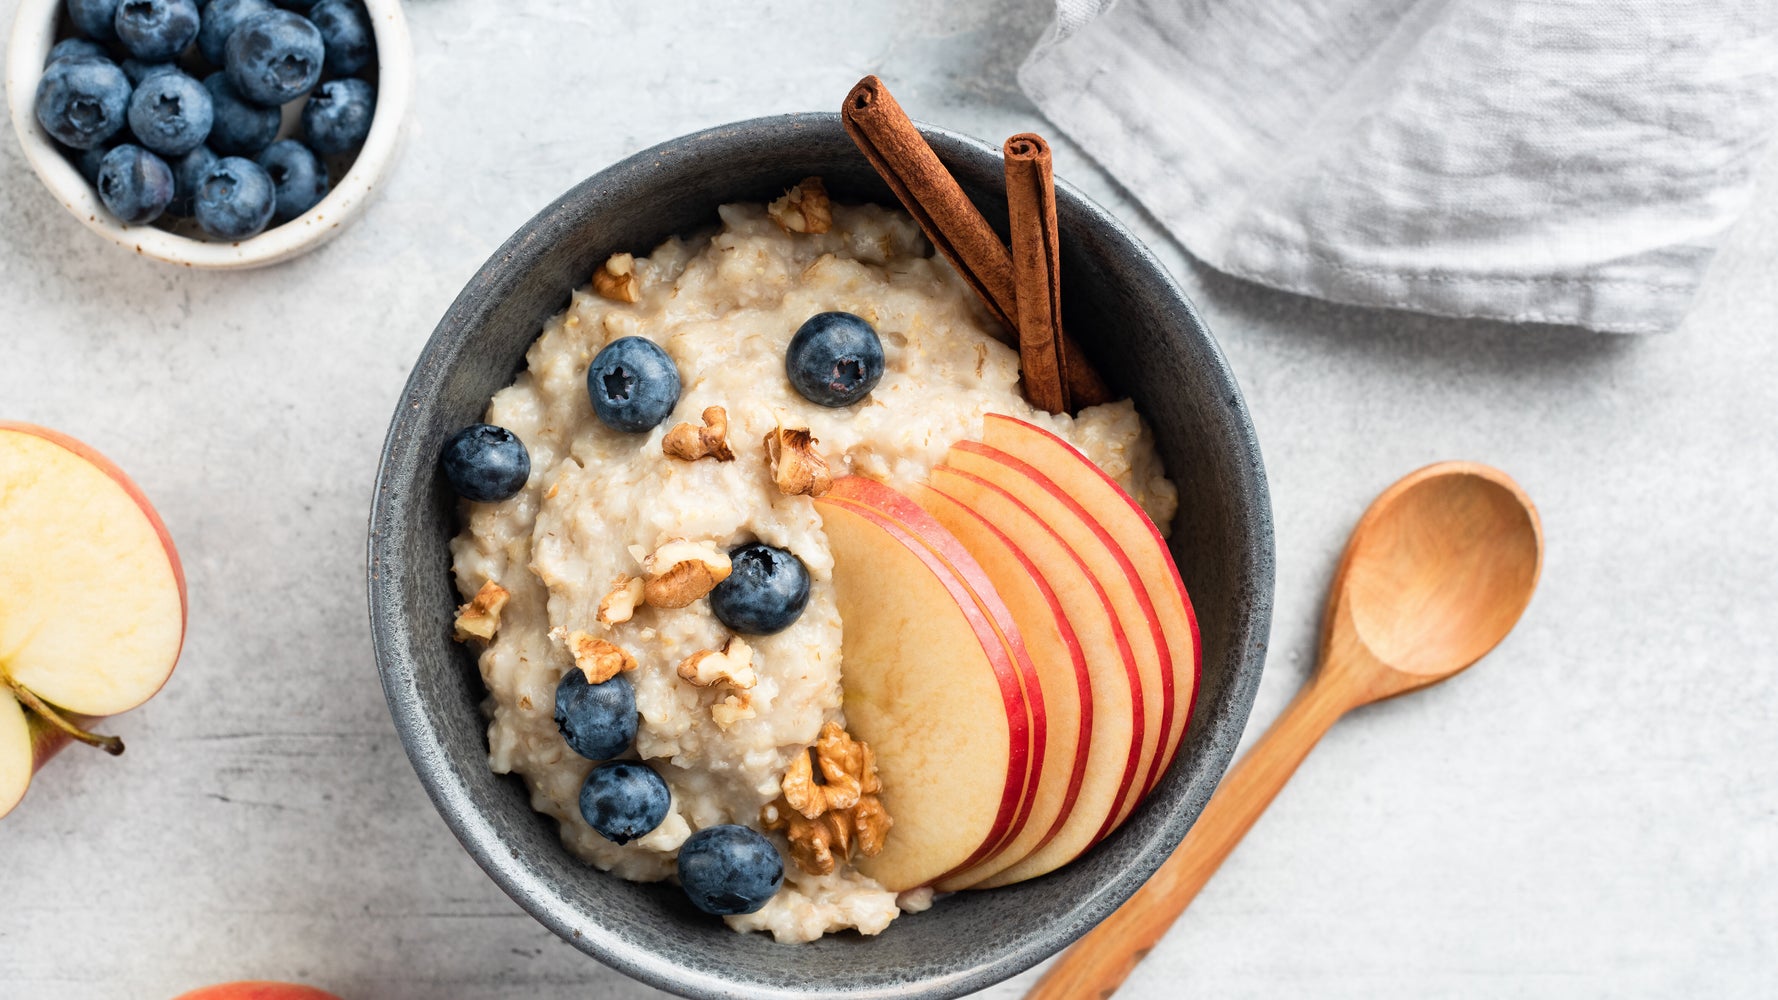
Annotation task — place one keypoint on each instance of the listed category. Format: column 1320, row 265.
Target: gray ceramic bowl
column 1133, row 321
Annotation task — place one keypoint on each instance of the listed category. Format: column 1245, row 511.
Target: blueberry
column 623, row 800
column 274, row 57
column 729, row 869
column 241, row 128
column 597, row 720
column 337, row 117
column 156, row 30
column 134, row 184
column 765, row 592
column 139, row 71
column 234, row 199
column 221, row 18
column 188, row 173
column 835, row 359
column 485, row 463
column 94, row 18
column 345, row 34
column 82, row 103
column 77, row 48
column 633, row 384
column 297, row 4
column 170, row 113
column 298, row 178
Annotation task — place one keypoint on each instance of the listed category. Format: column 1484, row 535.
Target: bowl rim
column 34, row 33
column 472, row 826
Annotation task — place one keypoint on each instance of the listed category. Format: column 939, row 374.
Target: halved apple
column 1076, row 475
column 1120, row 702
column 1064, row 669
column 931, row 686
column 258, row 991
column 1112, row 567
column 97, row 622
column 1030, row 631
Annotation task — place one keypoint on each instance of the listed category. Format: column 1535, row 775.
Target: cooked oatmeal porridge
column 599, row 503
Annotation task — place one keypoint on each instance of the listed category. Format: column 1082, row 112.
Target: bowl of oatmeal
column 682, row 246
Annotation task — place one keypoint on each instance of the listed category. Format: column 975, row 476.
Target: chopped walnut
column 598, row 659
column 804, row 208
column 680, row 572
column 733, row 666
column 616, row 279
column 731, row 710
column 709, row 441
column 796, row 466
column 620, row 604
column 825, row 819
column 481, row 616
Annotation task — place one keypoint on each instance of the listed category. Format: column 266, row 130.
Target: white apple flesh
column 908, row 517
column 930, row 686
column 97, row 624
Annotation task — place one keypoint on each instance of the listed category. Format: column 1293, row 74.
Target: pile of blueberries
column 834, row 359
column 125, row 99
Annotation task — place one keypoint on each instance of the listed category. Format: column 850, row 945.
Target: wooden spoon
column 1435, row 575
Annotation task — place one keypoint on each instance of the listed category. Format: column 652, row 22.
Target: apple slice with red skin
column 931, row 687
column 1132, row 528
column 1042, row 781
column 258, row 991
column 98, row 627
column 1112, row 567
column 1114, row 756
column 1062, row 670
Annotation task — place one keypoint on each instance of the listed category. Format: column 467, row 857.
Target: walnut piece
column 804, row 208
column 616, row 279
column 620, row 604
column 481, row 616
column 598, row 659
column 680, row 572
column 731, row 710
column 709, row 441
column 796, row 466
column 825, row 820
column 733, row 666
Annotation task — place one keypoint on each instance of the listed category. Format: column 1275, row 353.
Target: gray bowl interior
column 1136, row 325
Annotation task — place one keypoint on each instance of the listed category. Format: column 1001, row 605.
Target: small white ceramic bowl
column 34, row 31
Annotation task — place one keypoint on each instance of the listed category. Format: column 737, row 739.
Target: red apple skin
column 1191, row 613
column 1163, row 675
column 257, row 991
column 46, row 740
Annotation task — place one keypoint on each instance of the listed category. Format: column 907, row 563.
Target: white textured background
column 1593, row 811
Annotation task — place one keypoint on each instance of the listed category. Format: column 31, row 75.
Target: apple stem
column 110, row 744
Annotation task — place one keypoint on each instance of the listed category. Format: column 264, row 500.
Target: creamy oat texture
column 724, row 307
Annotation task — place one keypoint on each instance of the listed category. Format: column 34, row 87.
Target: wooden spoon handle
column 1100, row 962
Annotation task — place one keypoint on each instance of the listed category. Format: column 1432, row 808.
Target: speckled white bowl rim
column 33, row 34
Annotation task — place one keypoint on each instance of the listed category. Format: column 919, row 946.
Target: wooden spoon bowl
column 1436, row 573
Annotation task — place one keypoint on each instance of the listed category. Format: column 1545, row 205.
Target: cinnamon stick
column 892, row 143
column 1037, row 270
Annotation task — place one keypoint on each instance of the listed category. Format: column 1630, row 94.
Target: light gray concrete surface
column 1591, row 812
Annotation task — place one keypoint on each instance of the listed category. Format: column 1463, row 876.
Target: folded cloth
column 1550, row 161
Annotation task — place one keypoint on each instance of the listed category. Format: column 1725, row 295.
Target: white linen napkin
column 1554, row 161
